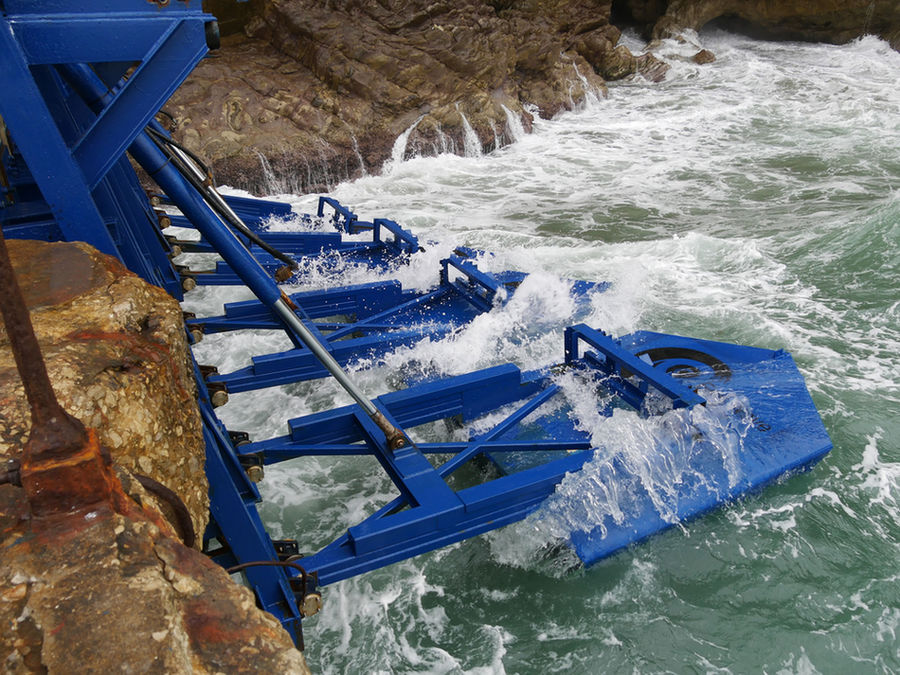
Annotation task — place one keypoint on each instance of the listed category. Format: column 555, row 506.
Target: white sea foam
column 751, row 200
column 658, row 454
column 880, row 478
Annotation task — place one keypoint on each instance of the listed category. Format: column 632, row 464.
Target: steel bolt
column 219, row 398
column 188, row 283
column 255, row 473
column 312, row 603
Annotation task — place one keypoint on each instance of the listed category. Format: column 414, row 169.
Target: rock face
column 322, row 90
column 836, row 21
column 93, row 578
column 100, row 592
column 116, row 352
column 314, row 93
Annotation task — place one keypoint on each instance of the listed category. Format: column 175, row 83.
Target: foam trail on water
column 880, row 478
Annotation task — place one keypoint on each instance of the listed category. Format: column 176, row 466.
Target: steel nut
column 312, row 603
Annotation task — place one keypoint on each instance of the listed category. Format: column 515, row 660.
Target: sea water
column 753, row 200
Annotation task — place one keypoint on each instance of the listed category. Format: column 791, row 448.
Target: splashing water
column 513, row 125
column 751, row 200
column 398, row 151
column 472, row 144
column 658, row 453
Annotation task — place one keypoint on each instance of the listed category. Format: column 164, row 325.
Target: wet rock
column 101, row 592
column 813, row 20
column 316, row 93
column 703, row 56
column 116, row 352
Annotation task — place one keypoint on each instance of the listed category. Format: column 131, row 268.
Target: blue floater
column 755, row 423
column 717, row 421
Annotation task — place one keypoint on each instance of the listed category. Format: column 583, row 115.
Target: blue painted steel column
column 182, row 193
column 57, row 174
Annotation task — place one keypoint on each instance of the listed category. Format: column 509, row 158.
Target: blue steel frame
column 383, row 317
column 86, row 85
column 428, row 513
column 73, row 156
column 390, row 242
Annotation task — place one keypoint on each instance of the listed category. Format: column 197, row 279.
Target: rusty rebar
column 26, row 350
column 63, row 466
column 170, row 497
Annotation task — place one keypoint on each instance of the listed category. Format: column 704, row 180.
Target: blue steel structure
column 389, row 244
column 81, row 87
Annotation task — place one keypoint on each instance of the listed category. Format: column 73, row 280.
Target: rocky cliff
column 318, row 92
column 104, row 584
column 833, row 21
column 322, row 90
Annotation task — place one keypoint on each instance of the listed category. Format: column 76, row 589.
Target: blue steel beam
column 409, row 533
column 274, row 453
column 295, row 243
column 255, row 213
column 233, row 500
column 434, row 517
column 619, row 362
column 38, row 137
column 358, row 300
column 87, row 37
column 138, row 98
column 432, row 314
column 300, row 364
column 380, row 251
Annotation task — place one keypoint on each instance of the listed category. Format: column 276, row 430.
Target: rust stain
column 213, row 627
column 206, row 625
column 64, row 469
column 32, row 261
column 142, row 346
column 62, row 474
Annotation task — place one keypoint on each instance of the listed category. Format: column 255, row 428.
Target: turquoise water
column 755, row 200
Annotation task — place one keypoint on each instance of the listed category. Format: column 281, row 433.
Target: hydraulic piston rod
column 395, row 437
